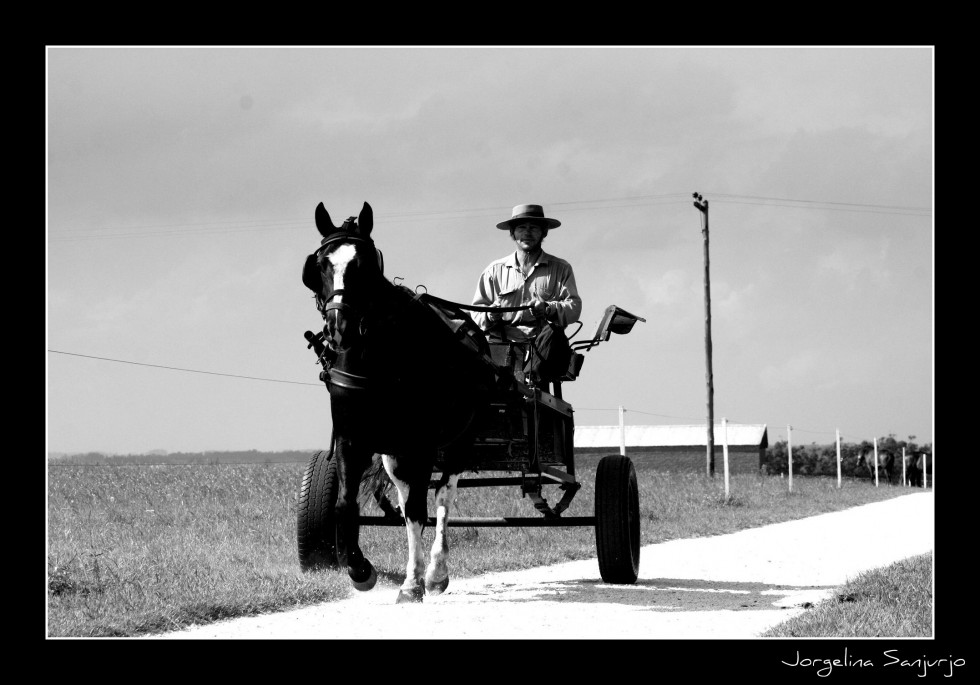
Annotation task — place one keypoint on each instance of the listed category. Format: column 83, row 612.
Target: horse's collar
column 345, row 379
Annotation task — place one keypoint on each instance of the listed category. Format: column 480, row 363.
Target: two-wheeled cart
column 525, row 431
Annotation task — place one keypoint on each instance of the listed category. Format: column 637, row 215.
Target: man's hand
column 539, row 308
column 494, row 317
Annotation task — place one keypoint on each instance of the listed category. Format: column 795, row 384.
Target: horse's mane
column 449, row 329
column 412, row 370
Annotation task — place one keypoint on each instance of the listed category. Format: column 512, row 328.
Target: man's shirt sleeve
column 567, row 299
column 483, row 297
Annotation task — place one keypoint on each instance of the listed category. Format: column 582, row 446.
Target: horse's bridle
column 326, row 303
column 352, row 312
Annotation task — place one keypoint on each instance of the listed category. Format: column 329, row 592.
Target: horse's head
column 864, row 461
column 343, row 273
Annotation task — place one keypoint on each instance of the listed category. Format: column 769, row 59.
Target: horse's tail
column 375, row 481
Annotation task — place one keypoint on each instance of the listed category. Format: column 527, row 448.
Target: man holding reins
column 527, row 277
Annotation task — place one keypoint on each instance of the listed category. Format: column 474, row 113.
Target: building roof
column 738, row 434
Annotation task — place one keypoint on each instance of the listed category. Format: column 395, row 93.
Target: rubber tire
column 617, row 513
column 316, row 526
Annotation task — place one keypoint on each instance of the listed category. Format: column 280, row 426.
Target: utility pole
column 702, row 206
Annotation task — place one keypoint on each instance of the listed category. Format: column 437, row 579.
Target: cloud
column 819, row 90
column 672, row 286
column 443, row 142
column 796, row 371
column 738, row 309
column 851, row 362
column 850, row 164
column 857, row 265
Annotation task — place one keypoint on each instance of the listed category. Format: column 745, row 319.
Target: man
column 528, row 276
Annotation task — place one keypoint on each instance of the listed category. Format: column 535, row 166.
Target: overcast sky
column 182, row 182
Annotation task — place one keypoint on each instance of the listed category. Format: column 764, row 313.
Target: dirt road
column 725, row 587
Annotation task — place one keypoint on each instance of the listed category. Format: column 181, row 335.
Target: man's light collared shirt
column 551, row 280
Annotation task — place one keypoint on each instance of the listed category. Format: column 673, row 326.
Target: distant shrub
column 821, row 460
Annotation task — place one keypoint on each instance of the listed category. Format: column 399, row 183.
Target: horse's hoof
column 436, row 588
column 413, row 596
column 367, row 583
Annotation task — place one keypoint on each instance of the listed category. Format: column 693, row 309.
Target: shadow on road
column 661, row 594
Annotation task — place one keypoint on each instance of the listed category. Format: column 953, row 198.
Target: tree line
column 215, row 457
column 821, row 460
column 808, row 460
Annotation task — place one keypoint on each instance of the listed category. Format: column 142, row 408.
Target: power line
column 637, row 411
column 182, row 231
column 276, row 380
column 389, row 215
column 823, row 202
column 911, row 212
column 196, row 228
column 176, row 368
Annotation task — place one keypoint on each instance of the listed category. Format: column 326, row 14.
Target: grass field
column 890, row 602
column 141, row 549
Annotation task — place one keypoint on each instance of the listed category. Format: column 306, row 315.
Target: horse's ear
column 323, row 222
column 311, row 274
column 365, row 220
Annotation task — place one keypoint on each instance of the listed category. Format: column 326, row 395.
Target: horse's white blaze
column 339, row 260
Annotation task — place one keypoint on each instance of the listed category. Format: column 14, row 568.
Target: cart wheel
column 617, row 514
column 316, row 529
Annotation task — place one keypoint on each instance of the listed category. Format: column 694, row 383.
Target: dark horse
column 914, row 465
column 885, row 465
column 402, row 386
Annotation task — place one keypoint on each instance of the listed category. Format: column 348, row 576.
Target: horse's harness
column 325, row 355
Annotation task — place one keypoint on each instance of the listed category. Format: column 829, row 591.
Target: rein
column 477, row 308
column 342, row 307
column 333, row 376
column 338, row 377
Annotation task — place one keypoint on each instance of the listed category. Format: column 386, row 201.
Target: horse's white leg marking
column 437, row 574
column 339, row 259
column 415, row 568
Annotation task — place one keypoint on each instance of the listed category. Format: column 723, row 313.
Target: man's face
column 528, row 236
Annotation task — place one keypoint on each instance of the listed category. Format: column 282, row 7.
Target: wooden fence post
column 724, row 430
column 838, row 458
column 622, row 431
column 876, row 462
column 789, row 445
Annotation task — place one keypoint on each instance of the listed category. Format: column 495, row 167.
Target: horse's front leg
column 412, row 483
column 351, row 464
column 437, row 573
